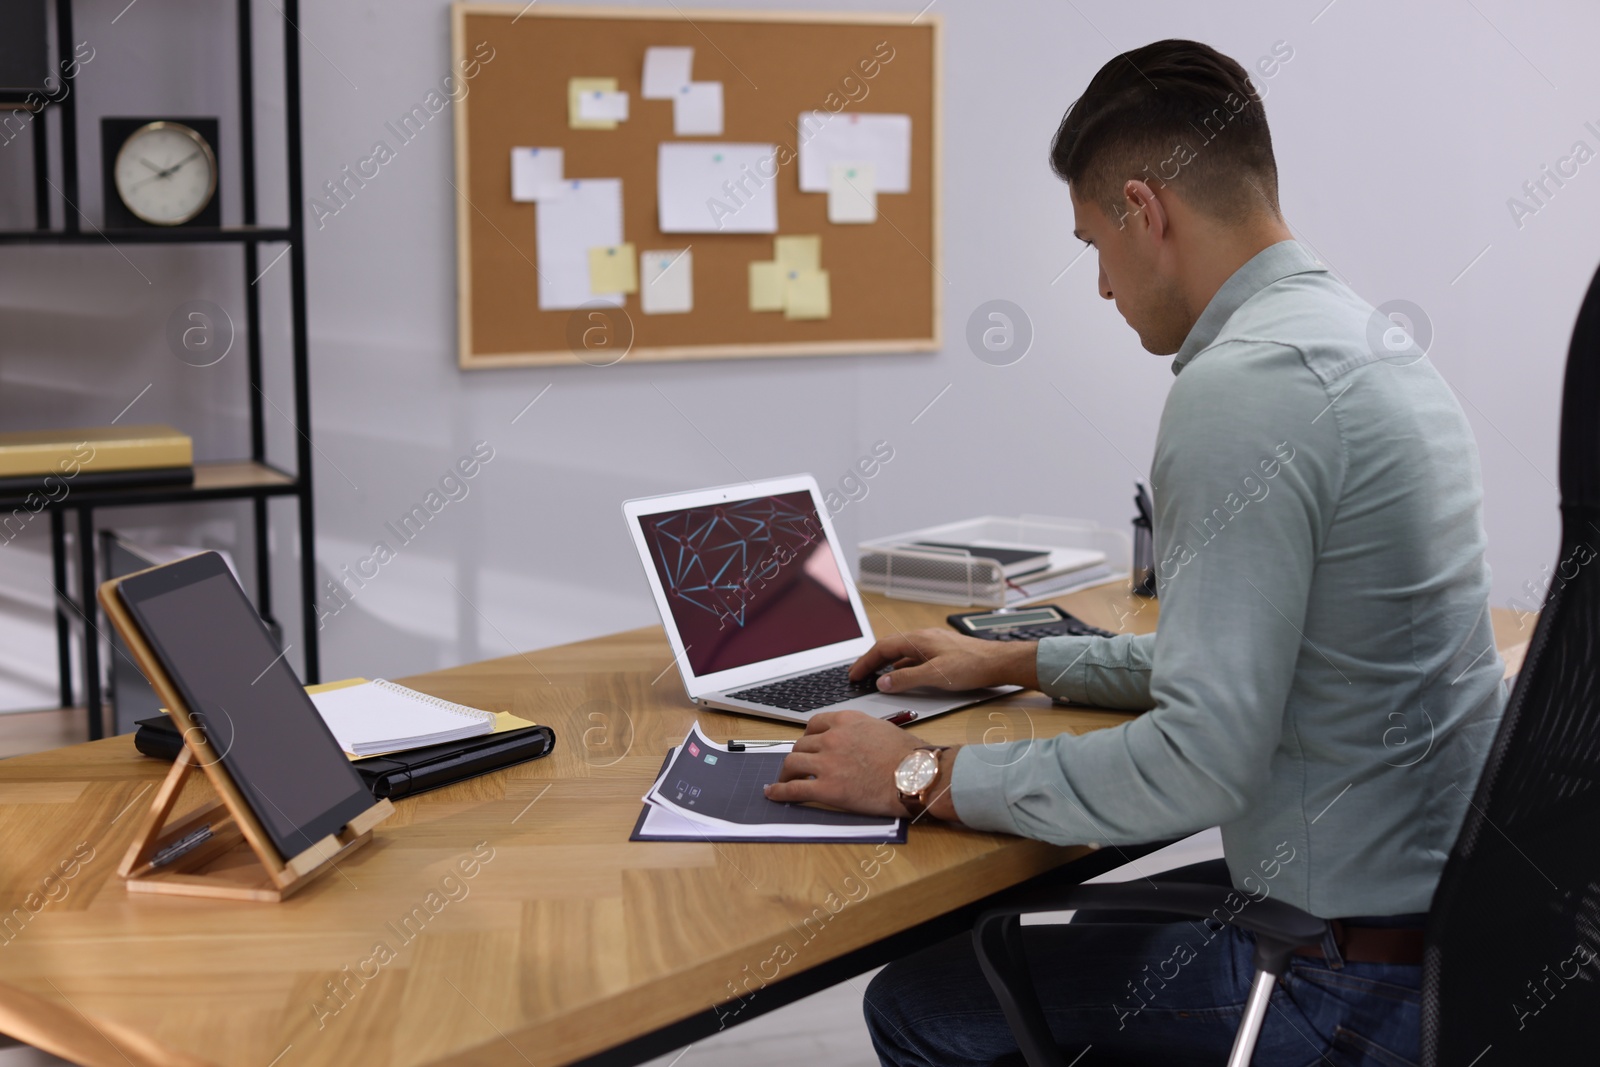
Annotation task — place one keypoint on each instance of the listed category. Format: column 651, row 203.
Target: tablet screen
column 240, row 690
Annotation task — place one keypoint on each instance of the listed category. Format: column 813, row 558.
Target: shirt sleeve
column 1106, row 672
column 1248, row 463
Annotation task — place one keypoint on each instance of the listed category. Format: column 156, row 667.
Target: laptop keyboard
column 808, row 692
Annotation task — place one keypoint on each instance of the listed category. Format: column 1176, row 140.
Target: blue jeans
column 1146, row 992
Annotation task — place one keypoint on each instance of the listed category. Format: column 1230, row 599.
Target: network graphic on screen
column 710, row 557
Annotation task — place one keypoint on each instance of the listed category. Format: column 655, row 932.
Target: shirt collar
column 1271, row 264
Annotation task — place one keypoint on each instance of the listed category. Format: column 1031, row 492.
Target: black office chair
column 1511, row 970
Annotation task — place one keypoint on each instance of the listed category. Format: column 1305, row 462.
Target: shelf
column 229, row 480
column 235, row 480
column 152, row 235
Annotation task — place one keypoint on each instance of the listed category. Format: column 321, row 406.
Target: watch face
column 165, row 173
column 916, row 772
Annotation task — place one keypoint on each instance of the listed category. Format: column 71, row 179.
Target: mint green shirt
column 1324, row 683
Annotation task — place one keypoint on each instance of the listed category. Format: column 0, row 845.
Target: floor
column 826, row 1027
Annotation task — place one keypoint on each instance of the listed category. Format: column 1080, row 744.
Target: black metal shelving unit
column 254, row 479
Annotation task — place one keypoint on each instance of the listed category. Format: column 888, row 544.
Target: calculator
column 1024, row 624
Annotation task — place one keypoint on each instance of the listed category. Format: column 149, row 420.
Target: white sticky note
column 717, row 187
column 666, row 70
column 852, row 193
column 588, row 213
column 697, row 110
column 666, row 281
column 535, row 173
column 603, row 106
column 882, row 140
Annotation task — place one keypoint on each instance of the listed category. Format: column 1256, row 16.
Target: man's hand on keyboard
column 945, row 659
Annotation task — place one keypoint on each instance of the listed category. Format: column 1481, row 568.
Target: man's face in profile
column 1133, row 272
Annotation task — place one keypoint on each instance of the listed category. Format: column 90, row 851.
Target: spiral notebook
column 380, row 716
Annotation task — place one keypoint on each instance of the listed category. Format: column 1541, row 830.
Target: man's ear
column 1142, row 207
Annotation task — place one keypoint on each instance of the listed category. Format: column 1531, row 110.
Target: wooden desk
column 566, row 940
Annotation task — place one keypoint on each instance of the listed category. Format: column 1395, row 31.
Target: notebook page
column 374, row 717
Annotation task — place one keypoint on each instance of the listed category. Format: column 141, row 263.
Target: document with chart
column 707, row 793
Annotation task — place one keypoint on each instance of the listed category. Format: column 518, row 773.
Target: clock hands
column 160, row 173
column 169, row 171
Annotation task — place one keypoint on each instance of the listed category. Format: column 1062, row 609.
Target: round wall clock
column 165, row 173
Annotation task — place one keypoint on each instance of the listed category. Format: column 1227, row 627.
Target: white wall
column 1401, row 132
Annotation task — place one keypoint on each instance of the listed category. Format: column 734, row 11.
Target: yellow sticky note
column 798, row 253
column 613, row 269
column 806, row 295
column 576, row 87
column 766, row 286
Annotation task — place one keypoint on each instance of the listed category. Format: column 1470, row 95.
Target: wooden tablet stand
column 237, row 860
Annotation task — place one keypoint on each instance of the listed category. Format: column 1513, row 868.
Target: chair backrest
column 1512, row 968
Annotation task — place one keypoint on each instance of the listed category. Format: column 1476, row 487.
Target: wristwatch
column 916, row 775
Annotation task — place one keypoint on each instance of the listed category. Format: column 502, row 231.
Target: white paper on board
column 666, row 281
column 586, row 214
column 666, row 70
column 852, row 193
column 535, row 173
column 697, row 110
column 602, row 106
column 882, row 140
column 717, row 187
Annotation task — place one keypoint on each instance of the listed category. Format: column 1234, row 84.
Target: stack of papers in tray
column 917, row 570
column 707, row 793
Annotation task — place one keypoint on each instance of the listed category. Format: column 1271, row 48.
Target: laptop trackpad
column 920, row 700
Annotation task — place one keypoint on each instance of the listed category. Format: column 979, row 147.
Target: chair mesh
column 1512, row 969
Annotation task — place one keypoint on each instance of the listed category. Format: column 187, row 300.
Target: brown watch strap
column 917, row 803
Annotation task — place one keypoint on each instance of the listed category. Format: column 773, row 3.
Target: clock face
column 165, row 173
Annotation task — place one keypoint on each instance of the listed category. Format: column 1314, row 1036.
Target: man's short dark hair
column 1173, row 112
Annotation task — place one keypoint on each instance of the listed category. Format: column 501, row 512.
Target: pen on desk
column 189, row 842
column 740, row 745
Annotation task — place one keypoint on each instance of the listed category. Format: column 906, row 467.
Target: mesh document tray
column 899, row 567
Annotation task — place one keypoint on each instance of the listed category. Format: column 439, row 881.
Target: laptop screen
column 749, row 580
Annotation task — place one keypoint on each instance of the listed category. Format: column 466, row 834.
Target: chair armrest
column 1279, row 929
column 1264, row 917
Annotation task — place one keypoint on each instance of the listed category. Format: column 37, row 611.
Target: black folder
column 397, row 775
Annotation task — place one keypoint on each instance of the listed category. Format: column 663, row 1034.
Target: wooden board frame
column 239, row 860
column 469, row 358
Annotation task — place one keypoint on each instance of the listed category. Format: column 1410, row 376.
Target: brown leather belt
column 1372, row 944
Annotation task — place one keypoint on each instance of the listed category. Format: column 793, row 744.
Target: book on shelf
column 52, row 461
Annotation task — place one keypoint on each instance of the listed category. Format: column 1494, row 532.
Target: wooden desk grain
column 505, row 920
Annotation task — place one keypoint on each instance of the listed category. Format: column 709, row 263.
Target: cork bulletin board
column 884, row 277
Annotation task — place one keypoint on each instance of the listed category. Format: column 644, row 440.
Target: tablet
column 238, row 688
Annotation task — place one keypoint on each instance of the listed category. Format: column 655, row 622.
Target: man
column 1323, row 684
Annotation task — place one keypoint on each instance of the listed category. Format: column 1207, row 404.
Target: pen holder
column 1144, row 558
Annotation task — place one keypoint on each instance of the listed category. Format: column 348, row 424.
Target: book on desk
column 400, row 741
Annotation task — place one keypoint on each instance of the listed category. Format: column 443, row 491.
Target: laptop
column 759, row 606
